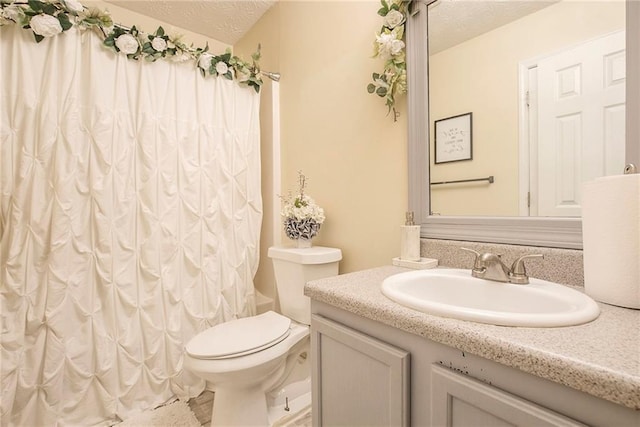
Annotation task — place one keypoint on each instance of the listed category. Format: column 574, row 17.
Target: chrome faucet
column 490, row 266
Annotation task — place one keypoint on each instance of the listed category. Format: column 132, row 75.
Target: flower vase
column 302, row 243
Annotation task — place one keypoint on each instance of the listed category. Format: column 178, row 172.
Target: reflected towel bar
column 489, row 179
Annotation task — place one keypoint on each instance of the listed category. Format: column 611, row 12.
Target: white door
column 580, row 122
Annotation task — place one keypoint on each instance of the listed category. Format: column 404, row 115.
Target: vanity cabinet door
column 357, row 380
column 458, row 400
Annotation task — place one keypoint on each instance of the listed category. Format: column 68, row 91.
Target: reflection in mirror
column 545, row 84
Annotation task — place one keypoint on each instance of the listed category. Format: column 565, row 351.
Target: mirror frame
column 531, row 231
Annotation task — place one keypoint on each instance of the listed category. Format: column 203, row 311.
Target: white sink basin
column 455, row 293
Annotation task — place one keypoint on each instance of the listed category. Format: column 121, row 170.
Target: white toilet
column 259, row 365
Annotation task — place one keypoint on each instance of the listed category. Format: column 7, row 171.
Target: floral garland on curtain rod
column 51, row 17
column 390, row 46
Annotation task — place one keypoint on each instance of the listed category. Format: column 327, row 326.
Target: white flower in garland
column 222, row 68
column 389, row 45
column 13, row 13
column 159, row 44
column 205, row 61
column 242, row 75
column 127, row 44
column 45, row 25
column 74, row 6
column 393, row 19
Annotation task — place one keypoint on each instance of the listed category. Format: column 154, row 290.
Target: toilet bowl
column 252, row 363
column 240, row 374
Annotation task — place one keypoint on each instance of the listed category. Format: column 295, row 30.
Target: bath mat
column 176, row 414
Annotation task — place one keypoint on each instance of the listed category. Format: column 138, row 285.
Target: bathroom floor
column 201, row 406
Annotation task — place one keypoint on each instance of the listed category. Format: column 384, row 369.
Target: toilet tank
column 293, row 268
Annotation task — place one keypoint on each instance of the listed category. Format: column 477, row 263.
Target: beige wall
column 493, row 59
column 334, row 131
column 142, row 22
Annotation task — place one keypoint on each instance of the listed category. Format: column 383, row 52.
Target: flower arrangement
column 302, row 217
column 48, row 18
column 389, row 45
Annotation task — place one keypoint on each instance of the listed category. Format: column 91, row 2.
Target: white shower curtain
column 130, row 214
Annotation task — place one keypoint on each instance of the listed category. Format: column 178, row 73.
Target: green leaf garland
column 52, row 17
column 390, row 46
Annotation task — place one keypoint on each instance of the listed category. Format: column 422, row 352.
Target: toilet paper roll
column 611, row 239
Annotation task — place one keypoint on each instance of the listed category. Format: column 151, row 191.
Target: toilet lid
column 240, row 337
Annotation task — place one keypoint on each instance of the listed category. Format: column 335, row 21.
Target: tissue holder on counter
column 410, row 243
column 611, row 239
column 423, row 264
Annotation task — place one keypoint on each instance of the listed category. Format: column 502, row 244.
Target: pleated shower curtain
column 130, row 214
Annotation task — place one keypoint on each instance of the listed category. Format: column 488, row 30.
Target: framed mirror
column 501, row 74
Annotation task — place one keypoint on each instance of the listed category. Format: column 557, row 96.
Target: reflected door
column 580, row 103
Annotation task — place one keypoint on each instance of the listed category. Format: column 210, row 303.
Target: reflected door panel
column 580, row 122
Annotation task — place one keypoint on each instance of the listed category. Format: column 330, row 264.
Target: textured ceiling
column 453, row 21
column 223, row 20
column 450, row 21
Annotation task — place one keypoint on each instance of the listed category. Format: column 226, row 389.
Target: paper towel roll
column 611, row 239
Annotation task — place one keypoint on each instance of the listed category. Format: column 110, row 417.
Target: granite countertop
column 601, row 358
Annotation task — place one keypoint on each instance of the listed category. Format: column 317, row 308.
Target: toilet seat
column 240, row 337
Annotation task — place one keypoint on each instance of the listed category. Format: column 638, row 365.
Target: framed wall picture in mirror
column 453, row 138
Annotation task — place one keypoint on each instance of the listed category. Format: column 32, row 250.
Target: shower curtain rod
column 273, row 76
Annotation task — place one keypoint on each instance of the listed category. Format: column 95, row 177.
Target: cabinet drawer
column 458, row 400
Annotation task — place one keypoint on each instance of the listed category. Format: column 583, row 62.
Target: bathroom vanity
column 376, row 362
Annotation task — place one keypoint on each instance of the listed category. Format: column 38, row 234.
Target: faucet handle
column 470, row 250
column 476, row 253
column 518, row 273
column 477, row 256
